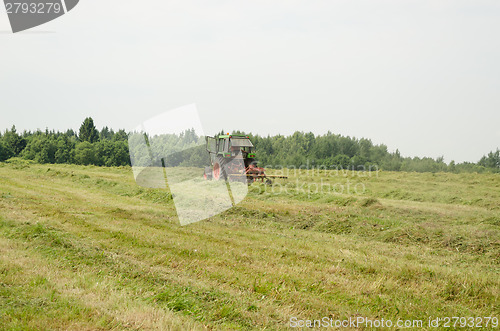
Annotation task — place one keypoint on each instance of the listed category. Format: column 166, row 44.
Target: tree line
column 332, row 151
column 88, row 147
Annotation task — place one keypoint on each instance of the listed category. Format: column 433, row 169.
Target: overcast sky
column 420, row 76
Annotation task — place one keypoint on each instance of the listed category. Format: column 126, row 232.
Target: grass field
column 85, row 248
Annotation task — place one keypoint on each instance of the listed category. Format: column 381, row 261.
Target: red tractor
column 233, row 158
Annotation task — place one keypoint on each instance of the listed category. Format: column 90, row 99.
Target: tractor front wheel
column 217, row 171
column 220, row 169
column 208, row 173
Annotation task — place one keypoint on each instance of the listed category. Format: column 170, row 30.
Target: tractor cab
column 229, row 146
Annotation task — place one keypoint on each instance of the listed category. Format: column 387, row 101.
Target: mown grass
column 86, row 248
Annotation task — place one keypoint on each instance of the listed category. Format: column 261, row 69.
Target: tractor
column 233, row 158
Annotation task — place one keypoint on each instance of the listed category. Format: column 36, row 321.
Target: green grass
column 85, row 248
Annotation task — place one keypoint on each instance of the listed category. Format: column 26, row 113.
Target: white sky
column 421, row 76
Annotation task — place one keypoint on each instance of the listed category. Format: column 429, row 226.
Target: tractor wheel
column 218, row 172
column 208, row 173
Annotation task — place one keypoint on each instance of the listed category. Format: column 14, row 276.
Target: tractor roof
column 226, row 136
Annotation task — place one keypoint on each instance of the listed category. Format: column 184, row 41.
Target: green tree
column 65, row 150
column 341, row 161
column 88, row 132
column 84, row 153
column 121, row 155
column 358, row 162
column 452, row 166
column 111, row 153
column 106, row 133
column 120, row 135
column 5, row 153
column 13, row 141
column 365, row 146
column 491, row 161
column 70, row 133
column 41, row 148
